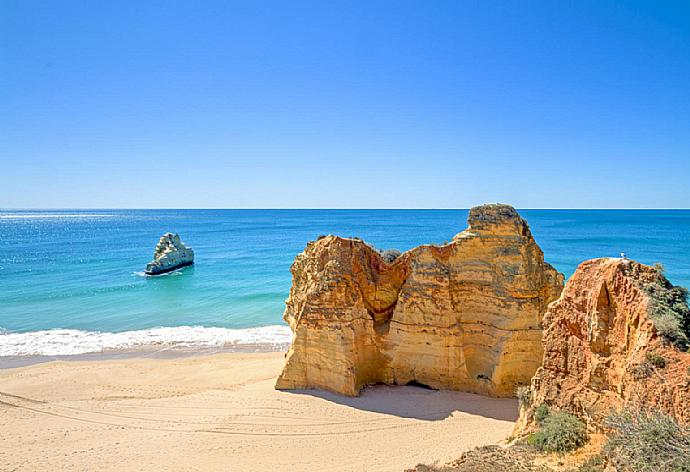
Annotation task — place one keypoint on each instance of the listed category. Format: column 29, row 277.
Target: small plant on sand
column 558, row 432
column 656, row 359
column 524, row 396
column 389, row 255
column 647, row 442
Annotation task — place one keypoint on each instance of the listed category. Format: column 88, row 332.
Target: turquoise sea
column 72, row 282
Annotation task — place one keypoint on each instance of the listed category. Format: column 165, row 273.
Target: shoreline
column 221, row 412
column 149, row 351
column 64, row 343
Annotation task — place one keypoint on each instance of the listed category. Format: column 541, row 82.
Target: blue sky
column 344, row 104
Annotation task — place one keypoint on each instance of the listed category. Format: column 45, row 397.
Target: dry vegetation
column 647, row 442
column 638, row 441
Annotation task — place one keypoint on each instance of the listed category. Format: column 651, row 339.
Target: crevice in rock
column 382, row 320
column 599, row 323
column 414, row 383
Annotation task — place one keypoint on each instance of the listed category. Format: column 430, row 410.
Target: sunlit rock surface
column 465, row 315
column 170, row 254
column 598, row 338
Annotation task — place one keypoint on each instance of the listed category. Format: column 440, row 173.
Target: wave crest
column 66, row 342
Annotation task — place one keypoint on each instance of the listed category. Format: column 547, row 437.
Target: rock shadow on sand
column 418, row 402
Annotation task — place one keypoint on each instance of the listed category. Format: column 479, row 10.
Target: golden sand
column 221, row 412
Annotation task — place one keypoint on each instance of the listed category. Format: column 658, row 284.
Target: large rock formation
column 170, row 254
column 465, row 315
column 601, row 346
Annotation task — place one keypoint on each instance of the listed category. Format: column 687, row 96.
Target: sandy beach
column 221, row 412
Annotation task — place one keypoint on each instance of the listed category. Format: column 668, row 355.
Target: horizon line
column 327, row 208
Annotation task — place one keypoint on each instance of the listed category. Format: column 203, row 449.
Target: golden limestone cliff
column 610, row 342
column 464, row 316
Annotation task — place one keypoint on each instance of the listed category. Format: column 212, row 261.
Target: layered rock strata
column 465, row 315
column 170, row 254
column 602, row 351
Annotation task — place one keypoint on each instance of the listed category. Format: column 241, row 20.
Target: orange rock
column 463, row 316
column 597, row 336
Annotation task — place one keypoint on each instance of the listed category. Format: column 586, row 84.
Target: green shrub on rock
column 669, row 309
column 559, row 432
column 541, row 413
column 641, row 371
column 657, row 360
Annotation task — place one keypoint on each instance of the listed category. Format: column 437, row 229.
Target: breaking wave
column 65, row 342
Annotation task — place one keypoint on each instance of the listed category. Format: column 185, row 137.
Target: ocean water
column 71, row 282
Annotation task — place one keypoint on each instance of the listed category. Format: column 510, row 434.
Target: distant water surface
column 72, row 282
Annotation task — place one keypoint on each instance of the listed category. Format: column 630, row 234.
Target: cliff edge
column 612, row 341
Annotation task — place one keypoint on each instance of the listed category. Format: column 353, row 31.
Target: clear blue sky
column 424, row 104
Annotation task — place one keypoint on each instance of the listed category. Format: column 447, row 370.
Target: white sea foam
column 65, row 342
column 172, row 273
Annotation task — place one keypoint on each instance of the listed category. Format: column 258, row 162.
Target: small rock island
column 170, row 254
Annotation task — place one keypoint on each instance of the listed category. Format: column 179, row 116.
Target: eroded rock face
column 170, row 254
column 465, row 315
column 597, row 338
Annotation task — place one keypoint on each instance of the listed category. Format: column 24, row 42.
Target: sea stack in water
column 170, row 254
column 465, row 315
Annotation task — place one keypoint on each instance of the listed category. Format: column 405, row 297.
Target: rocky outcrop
column 465, row 315
column 602, row 350
column 170, row 254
